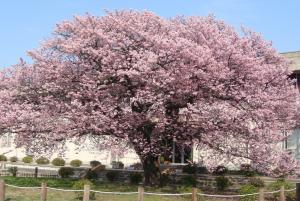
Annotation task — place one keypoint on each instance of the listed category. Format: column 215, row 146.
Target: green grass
column 16, row 194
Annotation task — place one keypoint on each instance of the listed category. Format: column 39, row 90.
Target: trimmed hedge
column 3, row 158
column 94, row 163
column 76, row 163
column 58, row 162
column 42, row 161
column 27, row 159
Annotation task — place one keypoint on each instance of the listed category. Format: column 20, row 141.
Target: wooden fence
column 141, row 193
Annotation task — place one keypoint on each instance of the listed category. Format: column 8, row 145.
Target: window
column 6, row 140
column 296, row 77
column 181, row 154
column 293, row 143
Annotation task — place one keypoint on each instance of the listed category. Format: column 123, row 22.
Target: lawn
column 17, row 194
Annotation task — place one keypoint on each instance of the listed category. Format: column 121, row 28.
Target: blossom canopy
column 138, row 78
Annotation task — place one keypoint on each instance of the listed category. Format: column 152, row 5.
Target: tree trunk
column 151, row 171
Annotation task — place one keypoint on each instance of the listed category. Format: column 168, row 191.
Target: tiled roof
column 294, row 58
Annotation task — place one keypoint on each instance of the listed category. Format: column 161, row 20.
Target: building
column 293, row 142
column 180, row 156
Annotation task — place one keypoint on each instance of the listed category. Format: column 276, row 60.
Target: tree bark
column 151, row 171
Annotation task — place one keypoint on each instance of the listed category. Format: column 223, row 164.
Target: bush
column 220, row 170
column 161, row 159
column 189, row 169
column 91, row 175
column 27, row 159
column 135, row 178
column 112, row 176
column 13, row 159
column 58, row 162
column 137, row 166
column 42, row 161
column 189, row 180
column 13, row 171
column 248, row 189
column 247, row 170
column 291, row 195
column 94, row 163
column 65, row 172
column 222, row 183
column 76, row 163
column 257, row 182
column 79, row 185
column 117, row 165
column 3, row 158
column 164, row 179
column 202, row 170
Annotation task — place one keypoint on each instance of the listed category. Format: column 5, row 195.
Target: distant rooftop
column 294, row 58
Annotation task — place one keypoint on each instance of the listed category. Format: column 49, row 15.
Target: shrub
column 246, row 167
column 257, row 182
column 135, row 178
column 91, row 175
column 117, row 165
column 65, row 172
column 189, row 180
column 112, row 176
column 222, row 183
column 27, row 159
column 220, row 170
column 137, row 166
column 76, row 163
column 248, row 189
column 161, row 159
column 202, row 170
column 3, row 158
column 291, row 195
column 94, row 163
column 79, row 185
column 58, row 162
column 13, row 171
column 247, row 170
column 189, row 169
column 13, row 159
column 42, row 161
column 164, row 179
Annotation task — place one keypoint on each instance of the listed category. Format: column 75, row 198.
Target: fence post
column 36, row 170
column 194, row 194
column 141, row 193
column 297, row 191
column 86, row 192
column 2, row 190
column 44, row 192
column 261, row 196
column 281, row 194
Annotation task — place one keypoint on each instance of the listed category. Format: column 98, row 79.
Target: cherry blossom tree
column 136, row 78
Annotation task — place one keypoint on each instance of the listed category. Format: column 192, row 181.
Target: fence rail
column 141, row 193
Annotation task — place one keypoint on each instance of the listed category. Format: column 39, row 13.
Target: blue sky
column 24, row 24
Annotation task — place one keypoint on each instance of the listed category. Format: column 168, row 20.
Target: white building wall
column 8, row 148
